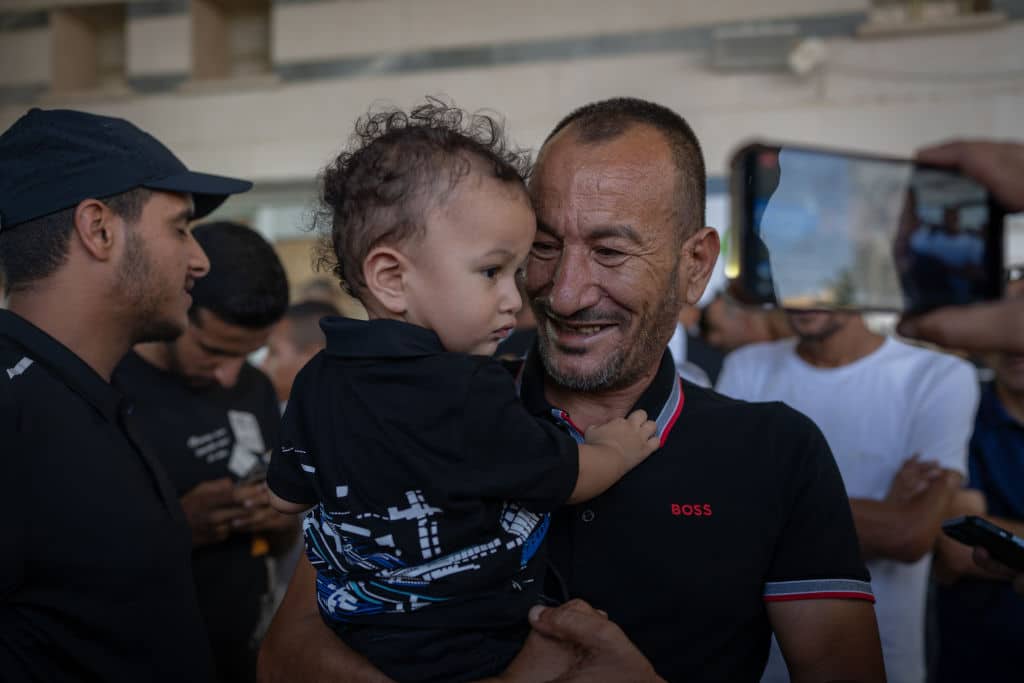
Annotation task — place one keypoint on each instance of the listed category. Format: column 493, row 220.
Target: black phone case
column 999, row 542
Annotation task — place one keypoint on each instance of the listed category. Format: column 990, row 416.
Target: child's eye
column 490, row 273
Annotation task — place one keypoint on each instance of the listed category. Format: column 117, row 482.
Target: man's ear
column 98, row 228
column 697, row 262
column 384, row 269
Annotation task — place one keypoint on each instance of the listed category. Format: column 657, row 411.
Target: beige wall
column 865, row 96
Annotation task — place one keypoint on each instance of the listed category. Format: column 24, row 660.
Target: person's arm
column 944, row 401
column 828, row 640
column 611, row 450
column 300, row 647
column 572, row 642
column 904, row 530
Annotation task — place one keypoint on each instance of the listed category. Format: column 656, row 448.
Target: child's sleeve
column 292, row 466
column 509, row 454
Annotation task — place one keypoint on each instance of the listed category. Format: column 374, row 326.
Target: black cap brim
column 208, row 191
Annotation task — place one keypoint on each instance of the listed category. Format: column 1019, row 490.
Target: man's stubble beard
column 621, row 367
column 135, row 280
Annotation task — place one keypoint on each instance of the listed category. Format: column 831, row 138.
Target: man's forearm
column 300, row 647
column 904, row 531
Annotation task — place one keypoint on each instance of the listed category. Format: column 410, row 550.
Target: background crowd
column 924, row 424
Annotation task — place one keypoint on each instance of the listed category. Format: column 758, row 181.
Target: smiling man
column 738, row 526
column 97, row 255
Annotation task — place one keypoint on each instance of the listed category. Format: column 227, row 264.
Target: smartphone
column 820, row 229
column 1000, row 543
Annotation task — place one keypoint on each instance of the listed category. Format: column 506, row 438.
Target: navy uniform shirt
column 204, row 433
column 95, row 579
column 742, row 505
column 981, row 622
column 432, row 482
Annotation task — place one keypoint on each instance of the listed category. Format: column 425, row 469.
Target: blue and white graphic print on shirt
column 341, row 545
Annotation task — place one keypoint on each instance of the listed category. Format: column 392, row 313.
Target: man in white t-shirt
column 898, row 419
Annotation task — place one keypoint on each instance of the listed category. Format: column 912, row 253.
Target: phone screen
column 821, row 229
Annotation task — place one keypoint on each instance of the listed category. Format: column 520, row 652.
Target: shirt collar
column 662, row 400
column 347, row 337
column 62, row 362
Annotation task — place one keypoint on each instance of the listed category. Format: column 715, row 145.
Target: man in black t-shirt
column 97, row 255
column 737, row 527
column 213, row 420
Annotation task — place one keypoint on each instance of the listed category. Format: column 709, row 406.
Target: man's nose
column 573, row 286
column 198, row 262
column 226, row 373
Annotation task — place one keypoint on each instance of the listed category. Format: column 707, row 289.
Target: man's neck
column 593, row 408
column 1013, row 403
column 157, row 354
column 71, row 316
column 844, row 346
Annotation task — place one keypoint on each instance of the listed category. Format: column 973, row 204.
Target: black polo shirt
column 95, row 579
column 742, row 504
column 200, row 434
column 432, row 480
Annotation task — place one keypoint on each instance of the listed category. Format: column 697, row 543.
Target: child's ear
column 383, row 269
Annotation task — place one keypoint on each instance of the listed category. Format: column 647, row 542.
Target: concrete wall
column 882, row 95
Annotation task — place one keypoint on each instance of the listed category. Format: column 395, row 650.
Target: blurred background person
column 980, row 616
column 727, row 325
column 695, row 359
column 898, row 420
column 213, row 420
column 295, row 339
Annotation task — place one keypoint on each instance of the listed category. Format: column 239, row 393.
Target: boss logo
column 688, row 510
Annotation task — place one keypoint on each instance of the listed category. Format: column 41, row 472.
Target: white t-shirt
column 875, row 413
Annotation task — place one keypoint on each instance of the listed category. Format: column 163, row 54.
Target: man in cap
column 97, row 255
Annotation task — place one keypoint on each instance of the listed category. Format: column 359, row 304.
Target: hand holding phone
column 1000, row 543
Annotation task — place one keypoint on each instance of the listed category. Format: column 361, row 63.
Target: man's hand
column 914, row 478
column 995, row 568
column 212, row 509
column 999, row 166
column 603, row 652
column 260, row 516
column 996, row 326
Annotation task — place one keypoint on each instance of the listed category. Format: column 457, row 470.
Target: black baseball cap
column 52, row 159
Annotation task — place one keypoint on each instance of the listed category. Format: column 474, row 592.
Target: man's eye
column 608, row 254
column 543, row 249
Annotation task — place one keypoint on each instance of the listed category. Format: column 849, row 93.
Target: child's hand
column 634, row 437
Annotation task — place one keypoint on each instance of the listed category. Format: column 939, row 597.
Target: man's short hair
column 305, row 332
column 36, row 249
column 604, row 121
column 397, row 167
column 246, row 285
